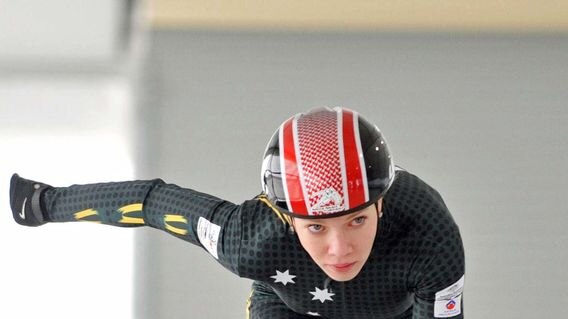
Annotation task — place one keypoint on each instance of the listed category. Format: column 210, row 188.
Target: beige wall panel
column 482, row 15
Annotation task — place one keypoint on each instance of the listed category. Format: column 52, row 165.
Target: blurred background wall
column 471, row 97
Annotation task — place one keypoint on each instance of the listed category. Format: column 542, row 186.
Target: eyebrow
column 354, row 214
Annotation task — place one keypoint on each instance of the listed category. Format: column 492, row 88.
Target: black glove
column 26, row 201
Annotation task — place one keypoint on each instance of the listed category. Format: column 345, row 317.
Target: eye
column 358, row 221
column 315, row 228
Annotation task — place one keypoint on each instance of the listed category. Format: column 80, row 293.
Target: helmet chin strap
column 379, row 212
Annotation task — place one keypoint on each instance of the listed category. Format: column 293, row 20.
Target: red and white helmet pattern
column 316, row 163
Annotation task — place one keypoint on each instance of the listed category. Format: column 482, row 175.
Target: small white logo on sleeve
column 23, row 212
column 208, row 234
column 448, row 300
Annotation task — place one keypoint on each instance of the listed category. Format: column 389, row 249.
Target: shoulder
column 414, row 206
column 412, row 190
column 417, row 221
column 261, row 221
column 266, row 242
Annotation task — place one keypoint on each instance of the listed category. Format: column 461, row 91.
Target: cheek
column 313, row 245
column 366, row 238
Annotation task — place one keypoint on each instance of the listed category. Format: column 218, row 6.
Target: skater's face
column 341, row 245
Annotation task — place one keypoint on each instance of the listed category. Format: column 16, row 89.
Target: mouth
column 344, row 267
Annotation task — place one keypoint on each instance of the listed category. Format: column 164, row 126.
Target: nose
column 339, row 244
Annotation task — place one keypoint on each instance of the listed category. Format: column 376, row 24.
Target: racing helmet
column 326, row 163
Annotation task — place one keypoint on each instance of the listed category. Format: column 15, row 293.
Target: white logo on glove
column 23, row 212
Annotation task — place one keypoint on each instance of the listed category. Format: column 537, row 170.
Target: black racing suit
column 415, row 269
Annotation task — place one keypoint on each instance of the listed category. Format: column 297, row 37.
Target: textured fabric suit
column 415, row 269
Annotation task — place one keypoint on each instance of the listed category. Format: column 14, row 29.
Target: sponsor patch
column 208, row 234
column 448, row 301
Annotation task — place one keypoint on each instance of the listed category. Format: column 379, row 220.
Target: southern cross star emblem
column 283, row 277
column 322, row 295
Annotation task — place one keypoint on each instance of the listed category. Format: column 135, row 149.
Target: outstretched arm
column 198, row 218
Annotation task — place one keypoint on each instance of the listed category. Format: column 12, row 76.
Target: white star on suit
column 283, row 277
column 322, row 295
